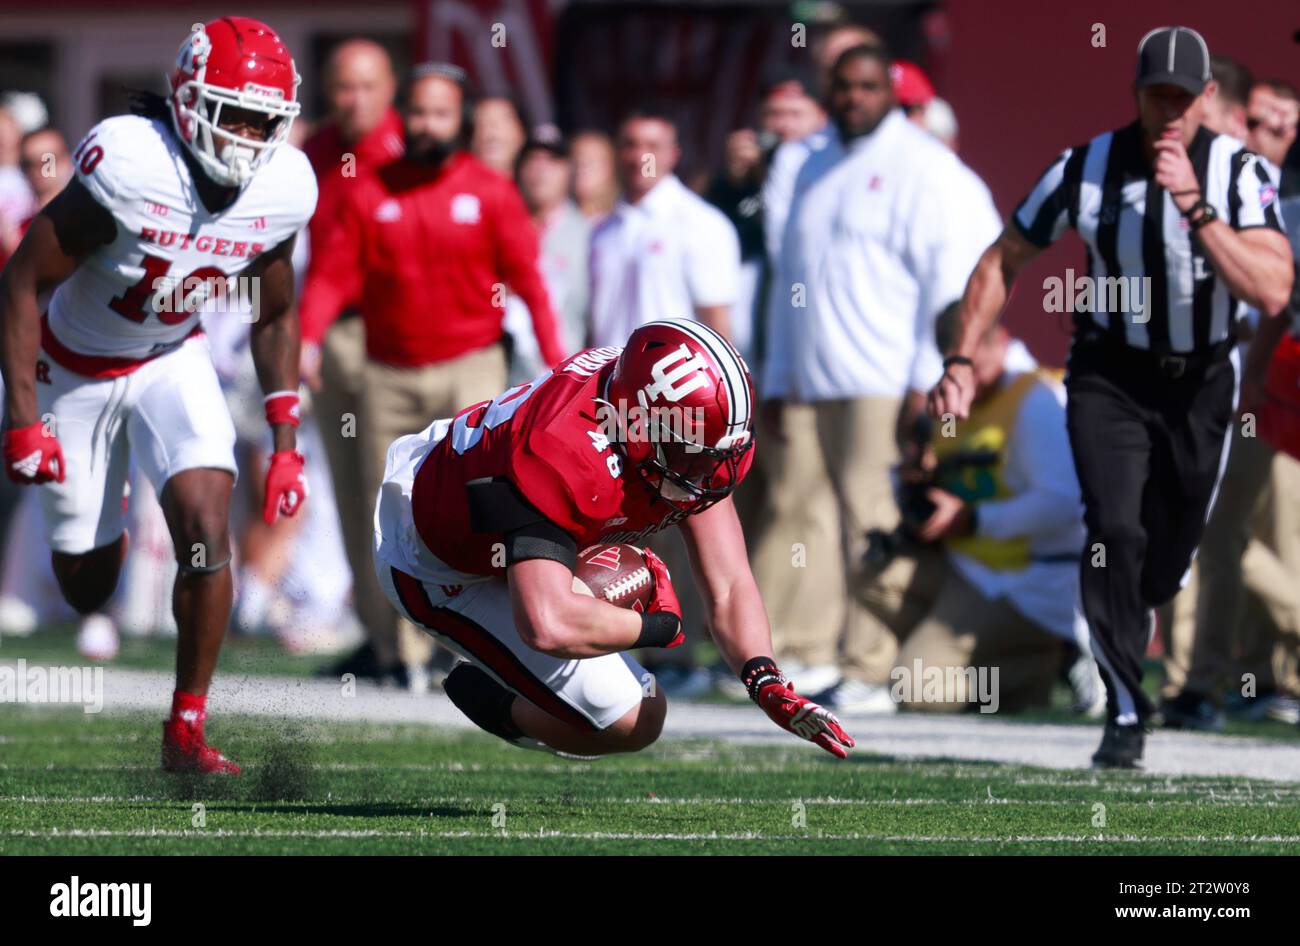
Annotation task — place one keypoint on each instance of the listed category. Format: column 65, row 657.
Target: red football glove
column 32, row 455
column 665, row 596
column 286, row 487
column 792, row 712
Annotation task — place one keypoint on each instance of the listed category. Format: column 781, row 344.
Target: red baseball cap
column 911, row 85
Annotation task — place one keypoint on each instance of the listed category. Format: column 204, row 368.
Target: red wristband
column 282, row 408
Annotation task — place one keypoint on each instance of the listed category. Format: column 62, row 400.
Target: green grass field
column 77, row 784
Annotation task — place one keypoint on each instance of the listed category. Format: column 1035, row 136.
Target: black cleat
column 361, row 663
column 1121, row 747
column 486, row 702
column 1190, row 710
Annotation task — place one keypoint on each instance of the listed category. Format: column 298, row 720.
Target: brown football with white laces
column 616, row 573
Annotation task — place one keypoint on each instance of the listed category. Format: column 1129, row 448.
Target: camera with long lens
column 915, row 481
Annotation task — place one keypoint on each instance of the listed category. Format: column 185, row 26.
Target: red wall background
column 1026, row 82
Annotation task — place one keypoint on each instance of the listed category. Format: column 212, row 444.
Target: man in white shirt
column 876, row 227
column 664, row 252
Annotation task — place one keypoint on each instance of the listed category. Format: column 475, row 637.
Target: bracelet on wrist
column 759, row 672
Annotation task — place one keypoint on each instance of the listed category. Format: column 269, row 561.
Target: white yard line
column 781, row 803
column 543, row 834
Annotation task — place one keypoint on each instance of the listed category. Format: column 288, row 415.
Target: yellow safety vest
column 986, row 430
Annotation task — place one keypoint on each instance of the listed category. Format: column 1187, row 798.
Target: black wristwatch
column 1206, row 214
column 957, row 360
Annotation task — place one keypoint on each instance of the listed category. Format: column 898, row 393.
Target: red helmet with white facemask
column 233, row 62
column 686, row 406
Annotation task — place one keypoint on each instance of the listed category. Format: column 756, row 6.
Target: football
column 616, row 573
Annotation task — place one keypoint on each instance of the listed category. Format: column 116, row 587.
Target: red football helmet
column 685, row 404
column 239, row 63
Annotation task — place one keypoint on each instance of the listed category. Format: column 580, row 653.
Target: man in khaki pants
column 1243, row 599
column 363, row 133
column 431, row 244
column 884, row 225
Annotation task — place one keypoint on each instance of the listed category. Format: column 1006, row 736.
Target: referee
column 1187, row 224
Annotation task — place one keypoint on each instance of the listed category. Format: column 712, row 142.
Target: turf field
column 77, row 784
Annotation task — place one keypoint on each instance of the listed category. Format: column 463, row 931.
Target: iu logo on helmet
column 677, row 374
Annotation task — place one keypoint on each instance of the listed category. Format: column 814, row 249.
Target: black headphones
column 452, row 73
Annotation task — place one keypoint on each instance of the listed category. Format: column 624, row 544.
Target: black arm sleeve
column 496, row 506
column 541, row 540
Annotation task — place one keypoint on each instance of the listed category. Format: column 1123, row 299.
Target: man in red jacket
column 364, row 132
column 429, row 245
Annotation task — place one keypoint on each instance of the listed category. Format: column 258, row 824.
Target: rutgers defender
column 480, row 518
column 165, row 207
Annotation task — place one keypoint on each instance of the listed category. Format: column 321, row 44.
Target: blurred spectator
column 834, row 41
column 789, row 110
column 499, row 133
column 736, row 192
column 1271, row 116
column 362, row 132
column 27, row 109
column 664, row 252
column 16, row 200
column 912, row 89
column 293, row 579
column 984, row 568
column 1226, row 624
column 46, row 167
column 429, row 243
column 915, row 94
column 1226, row 112
column 545, row 179
column 29, row 594
column 941, row 121
column 46, row 164
column 881, row 228
column 595, row 182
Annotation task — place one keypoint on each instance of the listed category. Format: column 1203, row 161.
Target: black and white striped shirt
column 1105, row 191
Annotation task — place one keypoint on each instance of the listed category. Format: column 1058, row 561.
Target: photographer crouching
column 979, row 584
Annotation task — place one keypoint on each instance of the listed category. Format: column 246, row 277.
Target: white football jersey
column 172, row 259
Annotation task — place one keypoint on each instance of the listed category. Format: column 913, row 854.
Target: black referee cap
column 1173, row 55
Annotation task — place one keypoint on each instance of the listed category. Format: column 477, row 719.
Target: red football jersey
column 546, row 439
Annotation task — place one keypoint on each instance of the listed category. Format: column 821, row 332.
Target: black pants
column 1148, row 448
